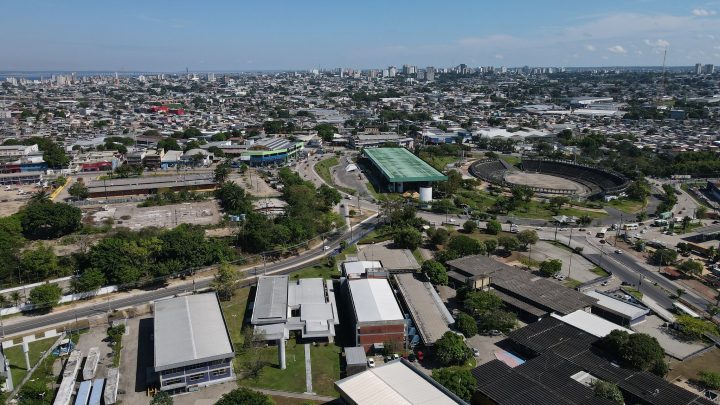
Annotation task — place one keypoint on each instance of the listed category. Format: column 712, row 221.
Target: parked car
column 604, row 283
column 618, row 251
column 371, row 362
column 476, row 352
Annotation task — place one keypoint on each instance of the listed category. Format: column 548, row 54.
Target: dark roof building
column 533, row 295
column 562, row 367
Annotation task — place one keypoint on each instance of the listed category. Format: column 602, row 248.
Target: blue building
column 192, row 344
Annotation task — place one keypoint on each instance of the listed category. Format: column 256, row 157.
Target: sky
column 224, row 35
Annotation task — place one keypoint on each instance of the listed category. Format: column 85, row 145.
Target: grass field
column 234, row 312
column 323, row 168
column 16, row 358
column 600, row 272
column 271, row 376
column 571, row 283
column 627, row 206
column 377, row 235
column 325, row 368
column 438, row 162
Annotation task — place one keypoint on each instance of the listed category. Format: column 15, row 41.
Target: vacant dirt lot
column 167, row 216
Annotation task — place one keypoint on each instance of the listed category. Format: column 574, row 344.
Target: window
column 219, row 373
column 196, row 377
column 172, row 381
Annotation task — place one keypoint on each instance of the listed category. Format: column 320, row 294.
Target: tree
column 638, row 190
column 509, row 243
column 407, row 238
column 457, row 379
column 221, row 173
column 664, row 257
column 439, row 236
column 244, row 396
column 609, row 391
column 233, row 199
column 450, row 349
column 224, row 281
column 490, row 246
column 435, row 271
column 549, row 268
column 162, row 398
column 481, row 302
column 638, row 351
column 48, row 220
column 79, row 191
column 701, row 212
column 325, row 131
column 528, row 237
column 501, row 320
column 466, row 324
column 493, row 227
column 693, row 267
column 686, row 222
column 463, row 245
column 89, row 280
column 39, row 263
column 167, row 144
column 45, row 296
column 470, row 226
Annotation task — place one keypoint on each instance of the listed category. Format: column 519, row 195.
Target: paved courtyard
column 673, row 346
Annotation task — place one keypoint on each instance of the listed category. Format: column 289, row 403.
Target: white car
column 618, row 251
column 371, row 362
column 476, row 352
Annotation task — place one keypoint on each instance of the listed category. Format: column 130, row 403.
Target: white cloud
column 618, row 49
column 660, row 43
column 590, row 48
column 702, row 12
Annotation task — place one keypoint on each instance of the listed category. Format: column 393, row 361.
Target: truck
column 601, row 233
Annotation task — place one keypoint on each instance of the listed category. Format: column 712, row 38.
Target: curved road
column 284, row 267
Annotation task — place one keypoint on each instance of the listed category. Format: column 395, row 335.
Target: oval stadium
column 549, row 176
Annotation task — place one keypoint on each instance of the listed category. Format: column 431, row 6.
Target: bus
column 631, row 227
column 601, row 233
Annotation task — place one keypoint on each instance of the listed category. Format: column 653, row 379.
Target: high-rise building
column 698, row 68
column 392, row 71
column 430, row 73
column 211, row 77
column 421, row 74
column 709, row 69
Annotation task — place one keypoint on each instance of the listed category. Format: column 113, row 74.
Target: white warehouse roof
column 374, row 300
column 394, row 383
column 616, row 306
column 590, row 323
column 188, row 330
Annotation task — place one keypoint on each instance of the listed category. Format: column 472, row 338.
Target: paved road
column 283, row 267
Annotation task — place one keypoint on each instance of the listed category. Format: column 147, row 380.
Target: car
column 476, row 352
column 582, row 229
column 420, row 355
column 563, row 229
column 604, row 283
column 603, row 241
column 538, row 228
column 618, row 251
column 371, row 362
column 494, row 332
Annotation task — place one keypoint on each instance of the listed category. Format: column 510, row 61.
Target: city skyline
column 279, row 35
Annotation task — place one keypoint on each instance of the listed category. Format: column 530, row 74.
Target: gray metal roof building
column 426, row 308
column 537, row 294
column 189, row 330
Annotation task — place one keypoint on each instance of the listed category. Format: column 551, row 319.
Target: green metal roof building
column 399, row 165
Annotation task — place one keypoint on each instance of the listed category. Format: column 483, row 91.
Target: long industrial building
column 150, row 185
column 192, row 344
column 376, row 313
column 402, row 170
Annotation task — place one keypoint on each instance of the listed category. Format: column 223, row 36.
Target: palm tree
column 680, row 292
column 40, row 196
column 15, row 297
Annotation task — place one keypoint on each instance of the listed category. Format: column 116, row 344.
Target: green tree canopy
column 470, row 226
column 457, row 379
column 407, row 238
column 528, row 237
column 466, row 324
column 435, row 271
column 550, row 267
column 450, row 349
column 664, row 257
column 463, row 245
column 244, row 396
column 493, row 227
column 48, row 220
column 609, row 391
column 79, row 191
column 39, row 263
column 45, row 296
column 225, row 281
